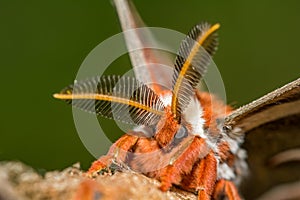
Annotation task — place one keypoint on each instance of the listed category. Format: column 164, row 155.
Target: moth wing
column 272, row 140
column 150, row 65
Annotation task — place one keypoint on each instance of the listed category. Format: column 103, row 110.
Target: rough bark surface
column 18, row 181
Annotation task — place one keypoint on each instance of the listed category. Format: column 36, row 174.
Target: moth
column 188, row 138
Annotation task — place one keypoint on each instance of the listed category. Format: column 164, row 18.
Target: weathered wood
column 20, row 182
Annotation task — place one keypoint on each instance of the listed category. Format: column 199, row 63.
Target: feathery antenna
column 114, row 97
column 191, row 63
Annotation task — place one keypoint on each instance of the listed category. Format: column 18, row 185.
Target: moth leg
column 203, row 177
column 182, row 162
column 98, row 165
column 117, row 152
column 226, row 190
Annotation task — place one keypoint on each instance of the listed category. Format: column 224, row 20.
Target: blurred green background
column 43, row 43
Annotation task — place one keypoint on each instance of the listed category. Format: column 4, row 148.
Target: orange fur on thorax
column 213, row 109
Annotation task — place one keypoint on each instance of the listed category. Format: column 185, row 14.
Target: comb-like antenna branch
column 191, row 63
column 120, row 98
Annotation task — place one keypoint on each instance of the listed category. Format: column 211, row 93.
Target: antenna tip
column 56, row 96
column 216, row 26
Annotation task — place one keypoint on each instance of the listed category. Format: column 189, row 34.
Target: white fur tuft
column 194, row 116
column 166, row 99
column 225, row 172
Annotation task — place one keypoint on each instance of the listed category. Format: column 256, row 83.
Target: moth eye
column 226, row 128
column 181, row 133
